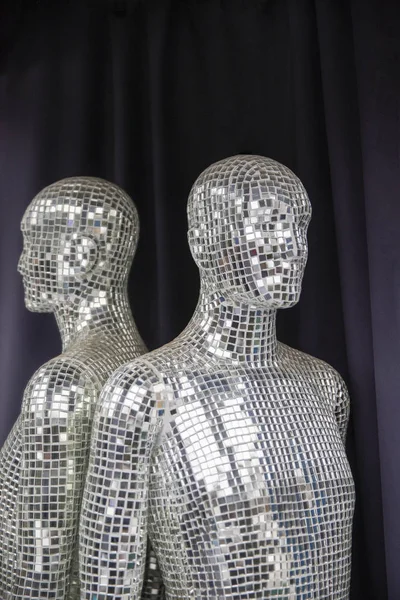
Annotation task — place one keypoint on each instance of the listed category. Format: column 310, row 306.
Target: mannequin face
column 49, row 263
column 248, row 218
column 38, row 263
column 268, row 249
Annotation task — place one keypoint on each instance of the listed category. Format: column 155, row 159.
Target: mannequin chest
column 243, row 434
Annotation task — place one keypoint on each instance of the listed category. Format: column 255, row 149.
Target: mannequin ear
column 81, row 255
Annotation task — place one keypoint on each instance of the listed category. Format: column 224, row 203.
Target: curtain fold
column 342, row 112
column 148, row 94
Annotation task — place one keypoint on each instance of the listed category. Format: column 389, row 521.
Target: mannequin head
column 248, row 218
column 80, row 236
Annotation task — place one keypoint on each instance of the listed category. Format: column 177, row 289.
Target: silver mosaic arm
column 55, row 441
column 10, row 459
column 113, row 529
column 342, row 407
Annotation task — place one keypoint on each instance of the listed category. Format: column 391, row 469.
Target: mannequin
column 80, row 236
column 225, row 445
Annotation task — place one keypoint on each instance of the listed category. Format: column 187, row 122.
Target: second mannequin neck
column 108, row 313
column 234, row 332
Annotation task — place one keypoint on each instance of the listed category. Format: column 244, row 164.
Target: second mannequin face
column 266, row 249
column 40, row 261
column 50, row 261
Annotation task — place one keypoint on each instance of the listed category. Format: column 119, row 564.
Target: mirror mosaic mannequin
column 225, row 445
column 80, row 236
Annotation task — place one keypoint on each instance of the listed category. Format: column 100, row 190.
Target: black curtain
column 147, row 94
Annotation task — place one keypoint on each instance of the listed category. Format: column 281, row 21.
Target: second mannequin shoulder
column 61, row 380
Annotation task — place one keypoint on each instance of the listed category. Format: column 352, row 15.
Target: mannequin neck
column 232, row 331
column 99, row 311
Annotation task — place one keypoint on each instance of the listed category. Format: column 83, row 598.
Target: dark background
column 148, row 94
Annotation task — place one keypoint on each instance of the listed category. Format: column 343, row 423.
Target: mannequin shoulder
column 318, row 370
column 63, row 375
column 155, row 371
column 136, row 387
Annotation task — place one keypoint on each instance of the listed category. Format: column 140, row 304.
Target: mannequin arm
column 10, row 459
column 342, row 407
column 55, row 429
column 113, row 530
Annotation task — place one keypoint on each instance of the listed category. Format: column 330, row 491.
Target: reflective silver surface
column 80, row 236
column 225, row 445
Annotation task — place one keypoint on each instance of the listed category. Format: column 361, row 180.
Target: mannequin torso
column 238, row 465
column 43, row 462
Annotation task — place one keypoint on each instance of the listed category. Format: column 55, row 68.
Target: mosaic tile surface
column 226, row 447
column 80, row 236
